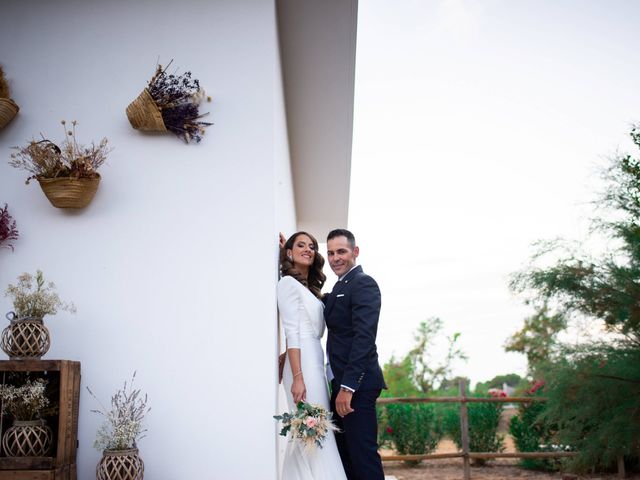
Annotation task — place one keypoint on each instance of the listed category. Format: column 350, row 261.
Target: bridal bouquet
column 308, row 424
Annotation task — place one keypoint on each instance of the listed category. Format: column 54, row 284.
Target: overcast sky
column 479, row 127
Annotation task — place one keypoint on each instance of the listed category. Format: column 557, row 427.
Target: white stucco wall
column 173, row 266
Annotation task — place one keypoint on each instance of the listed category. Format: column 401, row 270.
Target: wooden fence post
column 464, row 428
column 621, row 471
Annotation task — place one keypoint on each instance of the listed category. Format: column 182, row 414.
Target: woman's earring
column 290, row 257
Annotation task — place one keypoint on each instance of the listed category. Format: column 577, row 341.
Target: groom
column 351, row 313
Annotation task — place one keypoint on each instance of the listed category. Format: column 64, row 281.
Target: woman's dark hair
column 316, row 278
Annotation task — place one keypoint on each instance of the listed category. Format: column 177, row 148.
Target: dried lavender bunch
column 8, row 229
column 178, row 97
column 122, row 426
column 46, row 159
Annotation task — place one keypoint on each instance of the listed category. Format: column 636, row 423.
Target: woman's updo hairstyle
column 316, row 278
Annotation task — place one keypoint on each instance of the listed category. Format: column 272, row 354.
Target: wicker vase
column 68, row 192
column 25, row 337
column 120, row 465
column 144, row 114
column 27, row 439
column 8, row 110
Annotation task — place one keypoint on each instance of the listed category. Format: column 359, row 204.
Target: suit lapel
column 337, row 288
column 331, row 299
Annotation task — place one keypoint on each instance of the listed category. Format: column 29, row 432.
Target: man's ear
column 356, row 251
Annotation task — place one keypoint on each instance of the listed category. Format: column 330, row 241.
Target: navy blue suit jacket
column 351, row 312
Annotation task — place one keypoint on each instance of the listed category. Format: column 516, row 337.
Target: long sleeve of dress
column 291, row 309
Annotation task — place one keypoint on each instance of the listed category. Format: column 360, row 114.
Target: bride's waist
column 310, row 335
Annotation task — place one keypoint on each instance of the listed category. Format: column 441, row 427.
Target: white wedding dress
column 302, row 317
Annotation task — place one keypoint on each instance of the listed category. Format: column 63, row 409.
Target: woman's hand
column 282, row 240
column 299, row 390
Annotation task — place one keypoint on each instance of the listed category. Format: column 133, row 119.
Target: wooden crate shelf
column 64, row 386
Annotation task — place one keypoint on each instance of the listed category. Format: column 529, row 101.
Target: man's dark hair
column 343, row 232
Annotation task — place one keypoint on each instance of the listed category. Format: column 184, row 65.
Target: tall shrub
column 594, row 398
column 484, row 419
column 531, row 432
column 413, row 428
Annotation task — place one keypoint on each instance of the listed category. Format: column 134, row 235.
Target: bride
column 301, row 313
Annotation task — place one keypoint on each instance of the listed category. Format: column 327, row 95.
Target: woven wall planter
column 144, row 114
column 8, row 110
column 25, row 338
column 27, row 439
column 120, row 465
column 68, row 192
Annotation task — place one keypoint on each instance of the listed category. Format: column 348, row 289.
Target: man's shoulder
column 362, row 279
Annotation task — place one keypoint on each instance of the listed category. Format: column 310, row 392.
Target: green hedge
column 410, row 428
column 484, row 419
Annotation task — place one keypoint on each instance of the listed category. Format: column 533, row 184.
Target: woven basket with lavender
column 170, row 103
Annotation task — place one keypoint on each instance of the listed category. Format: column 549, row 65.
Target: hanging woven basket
column 120, row 465
column 68, row 192
column 25, row 337
column 27, row 439
column 144, row 114
column 8, row 110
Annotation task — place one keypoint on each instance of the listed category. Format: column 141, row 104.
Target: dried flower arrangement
column 8, row 229
column 8, row 108
column 36, row 302
column 122, row 426
column 170, row 102
column 45, row 159
column 67, row 173
column 308, row 424
column 26, row 402
column 4, row 85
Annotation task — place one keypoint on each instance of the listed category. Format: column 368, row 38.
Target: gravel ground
column 501, row 469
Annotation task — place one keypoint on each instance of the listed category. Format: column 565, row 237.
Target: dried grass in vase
column 170, row 102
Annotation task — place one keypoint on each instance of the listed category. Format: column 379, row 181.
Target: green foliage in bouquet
column 33, row 297
column 412, row 428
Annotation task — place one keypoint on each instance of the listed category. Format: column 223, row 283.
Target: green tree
column 608, row 287
column 428, row 371
column 398, row 375
column 593, row 389
column 511, row 379
column 538, row 338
